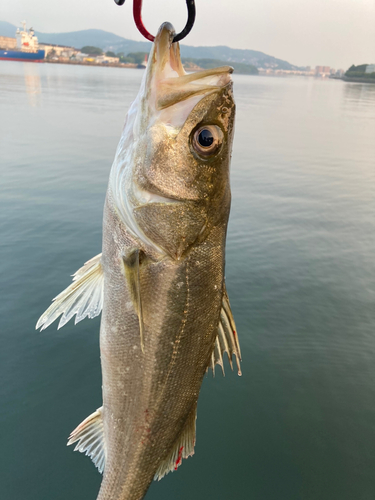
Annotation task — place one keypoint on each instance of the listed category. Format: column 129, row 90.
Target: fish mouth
column 167, row 79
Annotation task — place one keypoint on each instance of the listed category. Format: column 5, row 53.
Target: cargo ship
column 26, row 47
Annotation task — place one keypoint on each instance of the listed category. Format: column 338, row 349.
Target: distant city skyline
column 305, row 33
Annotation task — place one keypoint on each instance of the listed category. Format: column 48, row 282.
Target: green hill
column 359, row 72
column 243, row 69
column 7, row 29
column 111, row 42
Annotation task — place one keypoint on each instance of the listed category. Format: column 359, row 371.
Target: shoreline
column 88, row 63
column 358, row 79
column 117, row 65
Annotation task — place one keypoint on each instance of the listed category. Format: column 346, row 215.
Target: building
column 7, row 42
column 370, row 68
column 103, row 59
column 58, row 50
column 322, row 70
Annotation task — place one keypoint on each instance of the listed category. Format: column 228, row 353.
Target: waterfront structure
column 143, row 64
column 322, row 70
column 80, row 57
column 26, row 47
column 51, row 50
column 284, row 72
column 103, row 59
column 6, row 42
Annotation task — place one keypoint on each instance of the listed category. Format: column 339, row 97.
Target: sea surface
column 300, row 423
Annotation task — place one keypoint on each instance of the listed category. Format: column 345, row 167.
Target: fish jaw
column 167, row 85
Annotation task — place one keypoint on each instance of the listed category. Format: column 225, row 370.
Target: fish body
column 160, row 278
column 149, row 397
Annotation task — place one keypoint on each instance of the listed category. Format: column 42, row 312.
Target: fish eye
column 207, row 140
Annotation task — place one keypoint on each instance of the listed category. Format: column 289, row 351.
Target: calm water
column 300, row 423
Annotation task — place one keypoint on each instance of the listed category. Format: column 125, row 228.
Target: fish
column 159, row 282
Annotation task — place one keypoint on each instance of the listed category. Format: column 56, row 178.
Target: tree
column 357, row 71
column 51, row 54
column 92, row 51
column 136, row 57
column 110, row 54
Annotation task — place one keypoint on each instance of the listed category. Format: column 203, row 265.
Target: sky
column 336, row 33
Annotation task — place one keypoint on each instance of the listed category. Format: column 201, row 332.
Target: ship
column 143, row 64
column 26, row 47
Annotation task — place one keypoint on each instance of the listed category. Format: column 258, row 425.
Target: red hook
column 137, row 13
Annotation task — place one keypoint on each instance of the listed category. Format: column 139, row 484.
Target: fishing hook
column 137, row 13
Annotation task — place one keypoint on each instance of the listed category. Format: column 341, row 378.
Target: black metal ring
column 190, row 22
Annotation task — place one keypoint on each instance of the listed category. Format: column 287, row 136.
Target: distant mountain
column 115, row 43
column 7, row 29
column 246, row 56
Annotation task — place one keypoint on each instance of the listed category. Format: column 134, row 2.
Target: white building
column 7, row 42
column 103, row 59
column 58, row 50
column 370, row 68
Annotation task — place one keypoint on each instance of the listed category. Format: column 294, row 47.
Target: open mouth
column 168, row 81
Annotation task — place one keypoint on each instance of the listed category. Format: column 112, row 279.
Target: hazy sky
column 335, row 33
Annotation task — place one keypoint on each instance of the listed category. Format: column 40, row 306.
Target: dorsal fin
column 227, row 338
column 90, row 437
column 183, row 447
column 84, row 297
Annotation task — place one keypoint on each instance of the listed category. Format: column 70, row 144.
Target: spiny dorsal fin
column 227, row 338
column 90, row 437
column 131, row 267
column 183, row 447
column 84, row 297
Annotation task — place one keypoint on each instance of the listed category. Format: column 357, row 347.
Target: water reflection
column 360, row 93
column 32, row 83
column 300, row 276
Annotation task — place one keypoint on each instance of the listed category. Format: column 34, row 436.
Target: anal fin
column 84, row 297
column 227, row 338
column 90, row 437
column 183, row 447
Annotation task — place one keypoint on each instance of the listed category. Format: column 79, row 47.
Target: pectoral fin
column 227, row 338
column 131, row 267
column 183, row 447
column 84, row 297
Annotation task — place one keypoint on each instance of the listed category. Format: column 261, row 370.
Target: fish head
column 177, row 181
